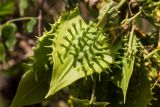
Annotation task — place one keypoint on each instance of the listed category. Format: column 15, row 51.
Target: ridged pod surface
column 79, row 50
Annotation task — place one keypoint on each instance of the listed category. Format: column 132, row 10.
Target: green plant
column 114, row 46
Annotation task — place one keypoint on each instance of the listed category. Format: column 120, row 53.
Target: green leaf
column 126, row 75
column 128, row 64
column 34, row 84
column 140, row 94
column 23, row 5
column 8, row 33
column 7, row 8
column 2, row 53
column 79, row 50
column 31, row 24
column 31, row 90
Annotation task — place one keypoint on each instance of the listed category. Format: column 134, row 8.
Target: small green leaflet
column 30, row 25
column 8, row 33
column 128, row 63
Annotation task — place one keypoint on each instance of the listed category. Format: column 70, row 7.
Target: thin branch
column 19, row 19
column 40, row 17
column 39, row 22
column 127, row 21
column 93, row 93
column 151, row 53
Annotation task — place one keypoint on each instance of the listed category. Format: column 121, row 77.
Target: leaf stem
column 151, row 53
column 120, row 3
column 93, row 94
column 127, row 21
column 155, row 50
column 131, row 39
column 19, row 19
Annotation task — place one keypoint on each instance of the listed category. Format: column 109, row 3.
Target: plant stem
column 131, row 39
column 121, row 3
column 19, row 19
column 93, row 93
column 159, row 40
column 127, row 21
column 155, row 50
column 151, row 53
